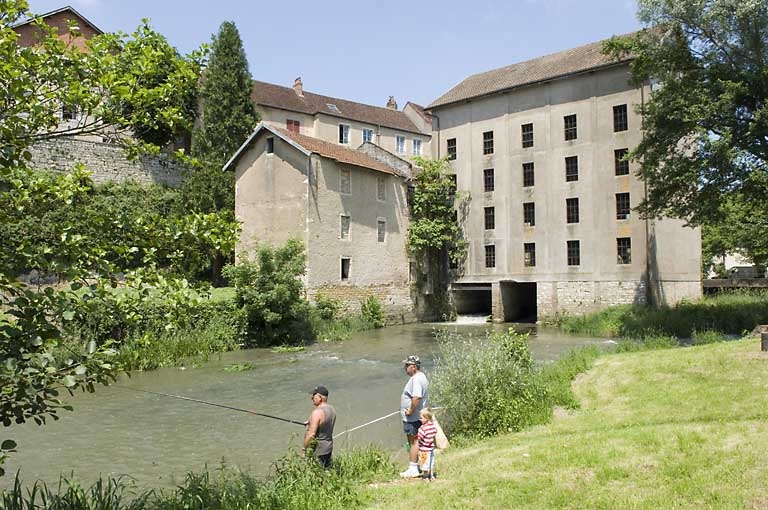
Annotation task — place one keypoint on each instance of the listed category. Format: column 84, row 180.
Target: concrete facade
column 664, row 261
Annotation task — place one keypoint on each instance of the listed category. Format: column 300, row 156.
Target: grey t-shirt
column 417, row 386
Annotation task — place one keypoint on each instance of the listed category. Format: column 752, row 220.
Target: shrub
column 372, row 311
column 327, row 307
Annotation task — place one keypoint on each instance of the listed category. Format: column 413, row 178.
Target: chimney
column 392, row 104
column 298, row 87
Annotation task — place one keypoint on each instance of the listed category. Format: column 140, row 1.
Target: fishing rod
column 190, row 399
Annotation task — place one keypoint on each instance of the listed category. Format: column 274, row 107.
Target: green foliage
column 558, row 375
column 487, row 385
column 705, row 126
column 739, row 227
column 372, row 312
column 271, row 294
column 327, row 307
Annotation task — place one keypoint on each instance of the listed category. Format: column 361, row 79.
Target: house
column 540, row 146
column 348, row 206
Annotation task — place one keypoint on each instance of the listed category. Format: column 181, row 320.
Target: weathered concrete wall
column 395, row 300
column 106, row 162
column 579, row 297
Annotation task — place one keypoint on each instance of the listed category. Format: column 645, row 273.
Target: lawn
column 673, row 428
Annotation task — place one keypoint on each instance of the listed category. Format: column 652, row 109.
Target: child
column 426, row 439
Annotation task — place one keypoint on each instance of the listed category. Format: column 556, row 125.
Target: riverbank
column 683, row 428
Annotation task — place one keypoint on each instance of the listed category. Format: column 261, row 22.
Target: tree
column 705, row 144
column 227, row 118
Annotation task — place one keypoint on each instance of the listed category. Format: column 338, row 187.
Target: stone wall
column 396, row 301
column 579, row 297
column 106, row 162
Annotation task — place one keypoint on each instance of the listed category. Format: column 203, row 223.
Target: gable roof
column 58, row 11
column 309, row 145
column 285, row 98
column 549, row 67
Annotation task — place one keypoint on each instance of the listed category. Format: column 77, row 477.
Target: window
column 68, row 111
column 345, row 181
column 620, row 122
column 344, row 233
column 527, row 131
column 528, row 178
column 574, row 253
column 623, row 250
column 294, row 126
column 571, row 168
column 400, row 144
column 454, row 183
column 451, row 147
column 381, row 230
column 622, row 206
column 529, row 254
column 344, row 134
column 416, row 147
column 367, row 135
column 490, row 218
column 490, row 256
column 569, row 122
column 333, row 108
column 488, row 179
column 345, row 269
column 529, row 214
column 488, row 142
column 620, row 161
column 381, row 189
column 572, row 210
column 270, row 145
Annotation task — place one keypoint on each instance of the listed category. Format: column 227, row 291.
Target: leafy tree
column 705, row 143
column 740, row 228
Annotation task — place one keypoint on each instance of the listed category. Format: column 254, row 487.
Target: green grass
column 671, row 428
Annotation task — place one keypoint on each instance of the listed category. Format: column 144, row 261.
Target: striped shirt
column 426, row 436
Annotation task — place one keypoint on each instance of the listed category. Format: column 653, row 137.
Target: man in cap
column 320, row 427
column 414, row 399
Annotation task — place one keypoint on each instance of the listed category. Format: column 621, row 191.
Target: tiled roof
column 337, row 152
column 276, row 96
column 574, row 60
column 420, row 110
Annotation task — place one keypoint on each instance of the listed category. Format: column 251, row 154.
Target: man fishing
column 414, row 399
column 320, row 427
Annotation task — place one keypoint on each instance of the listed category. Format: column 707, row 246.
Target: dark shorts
column 324, row 460
column 411, row 428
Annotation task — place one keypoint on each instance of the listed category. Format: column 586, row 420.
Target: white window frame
column 344, row 134
column 400, row 144
column 417, row 142
column 345, row 176
column 370, row 139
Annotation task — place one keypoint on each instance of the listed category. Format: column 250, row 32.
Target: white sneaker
column 411, row 472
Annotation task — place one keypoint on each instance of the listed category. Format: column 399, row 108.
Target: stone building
column 540, row 147
column 349, row 207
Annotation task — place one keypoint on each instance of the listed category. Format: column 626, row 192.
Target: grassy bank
column 671, row 428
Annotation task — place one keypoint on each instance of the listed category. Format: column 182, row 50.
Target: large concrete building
column 540, row 147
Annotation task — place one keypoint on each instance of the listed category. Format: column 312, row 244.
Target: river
column 157, row 439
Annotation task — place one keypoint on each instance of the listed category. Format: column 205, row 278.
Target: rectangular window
column 622, row 206
column 400, row 144
column 367, row 135
column 488, row 142
column 621, row 162
column 569, row 122
column 294, row 126
column 381, row 189
column 490, row 218
column 528, row 175
column 68, row 111
column 488, row 180
column 344, row 134
column 416, row 147
column 490, row 256
column 345, row 221
column 345, row 181
column 529, row 254
column 381, row 230
column 527, row 131
column 574, row 253
column 620, row 122
column 529, row 214
column 345, row 269
column 571, row 168
column 451, row 148
column 572, row 210
column 623, row 250
column 270, row 145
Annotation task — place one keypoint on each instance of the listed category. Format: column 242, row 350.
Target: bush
column 327, row 307
column 372, row 312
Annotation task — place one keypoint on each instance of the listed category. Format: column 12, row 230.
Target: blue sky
column 366, row 52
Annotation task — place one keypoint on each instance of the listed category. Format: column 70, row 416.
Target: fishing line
column 190, row 399
column 374, row 421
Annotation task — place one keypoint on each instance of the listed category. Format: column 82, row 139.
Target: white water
column 472, row 319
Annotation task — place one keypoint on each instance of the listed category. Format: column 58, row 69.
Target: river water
column 157, row 439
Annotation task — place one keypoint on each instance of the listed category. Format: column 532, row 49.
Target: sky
column 366, row 51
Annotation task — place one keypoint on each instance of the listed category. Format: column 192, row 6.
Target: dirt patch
column 759, row 503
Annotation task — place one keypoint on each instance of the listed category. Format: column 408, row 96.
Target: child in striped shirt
column 426, row 439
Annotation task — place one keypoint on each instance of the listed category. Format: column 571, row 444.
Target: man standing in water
column 320, row 427
column 414, row 399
